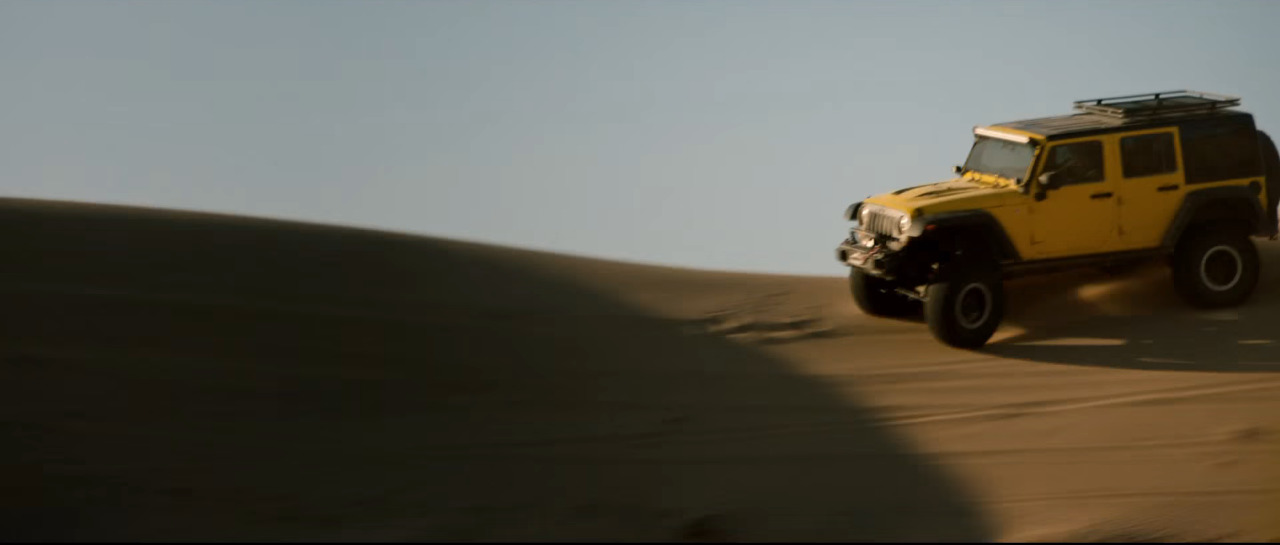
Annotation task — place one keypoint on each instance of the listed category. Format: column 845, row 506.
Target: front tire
column 1216, row 270
column 875, row 296
column 965, row 311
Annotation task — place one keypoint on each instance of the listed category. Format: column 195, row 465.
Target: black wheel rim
column 973, row 306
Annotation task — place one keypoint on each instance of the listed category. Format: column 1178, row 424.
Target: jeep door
column 1151, row 186
column 1077, row 215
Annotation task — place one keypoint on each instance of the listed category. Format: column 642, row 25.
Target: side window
column 1220, row 150
column 1078, row 163
column 1147, row 155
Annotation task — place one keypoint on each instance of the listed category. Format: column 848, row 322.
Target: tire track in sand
column 674, row 435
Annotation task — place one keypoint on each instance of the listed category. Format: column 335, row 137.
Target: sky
column 713, row 134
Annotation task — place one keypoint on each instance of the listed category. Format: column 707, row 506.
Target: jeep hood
column 946, row 196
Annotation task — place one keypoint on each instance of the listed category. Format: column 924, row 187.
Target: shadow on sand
column 1137, row 321
column 171, row 376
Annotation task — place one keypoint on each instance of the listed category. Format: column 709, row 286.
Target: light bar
column 1019, row 138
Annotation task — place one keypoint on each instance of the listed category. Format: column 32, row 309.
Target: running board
column 1025, row 268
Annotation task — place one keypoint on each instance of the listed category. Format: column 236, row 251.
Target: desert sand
column 179, row 376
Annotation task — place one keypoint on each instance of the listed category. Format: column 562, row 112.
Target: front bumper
column 873, row 257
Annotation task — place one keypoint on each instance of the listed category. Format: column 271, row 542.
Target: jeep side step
column 1044, row 266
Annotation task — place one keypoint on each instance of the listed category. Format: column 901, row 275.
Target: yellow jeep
column 1179, row 175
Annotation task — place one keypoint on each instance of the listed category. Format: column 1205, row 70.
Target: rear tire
column 1216, row 269
column 875, row 296
column 965, row 311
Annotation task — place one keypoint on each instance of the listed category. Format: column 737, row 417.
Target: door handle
column 1106, row 195
column 1173, row 187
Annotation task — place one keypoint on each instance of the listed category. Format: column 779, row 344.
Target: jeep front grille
column 880, row 223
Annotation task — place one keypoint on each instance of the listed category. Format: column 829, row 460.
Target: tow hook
column 910, row 293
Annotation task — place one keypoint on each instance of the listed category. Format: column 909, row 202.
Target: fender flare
column 1196, row 201
column 979, row 221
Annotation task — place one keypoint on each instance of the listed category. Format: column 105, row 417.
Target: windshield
column 1000, row 157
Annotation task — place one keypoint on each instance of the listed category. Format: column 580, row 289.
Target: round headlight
column 904, row 223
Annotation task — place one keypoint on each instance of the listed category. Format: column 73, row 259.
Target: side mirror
column 1047, row 180
column 957, row 169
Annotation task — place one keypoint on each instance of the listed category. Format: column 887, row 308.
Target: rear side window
column 1078, row 163
column 1148, row 155
column 1220, row 150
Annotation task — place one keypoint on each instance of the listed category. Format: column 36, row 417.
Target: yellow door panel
column 1151, row 186
column 1078, row 214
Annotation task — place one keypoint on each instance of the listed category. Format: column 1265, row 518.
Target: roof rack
column 1157, row 104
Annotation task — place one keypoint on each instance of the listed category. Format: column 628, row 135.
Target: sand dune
column 184, row 376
